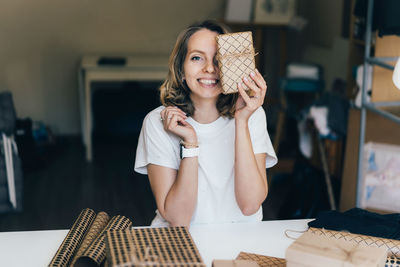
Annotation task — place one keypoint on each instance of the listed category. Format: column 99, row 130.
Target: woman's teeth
column 208, row 81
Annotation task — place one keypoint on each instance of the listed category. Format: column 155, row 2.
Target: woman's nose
column 210, row 66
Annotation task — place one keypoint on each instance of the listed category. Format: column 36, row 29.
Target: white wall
column 325, row 45
column 42, row 42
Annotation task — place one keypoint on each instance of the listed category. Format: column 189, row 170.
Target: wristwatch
column 188, row 152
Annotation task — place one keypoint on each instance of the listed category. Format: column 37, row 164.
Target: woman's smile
column 208, row 82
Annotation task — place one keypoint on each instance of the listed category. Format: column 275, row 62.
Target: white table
column 137, row 68
column 218, row 241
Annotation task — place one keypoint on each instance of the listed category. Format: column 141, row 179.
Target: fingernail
column 239, row 84
column 245, row 79
column 257, row 71
column 252, row 74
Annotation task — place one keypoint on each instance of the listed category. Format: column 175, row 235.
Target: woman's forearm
column 251, row 186
column 181, row 199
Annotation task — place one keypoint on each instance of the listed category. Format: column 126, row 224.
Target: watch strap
column 189, row 152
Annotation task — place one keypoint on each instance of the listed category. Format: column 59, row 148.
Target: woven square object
column 235, row 54
column 263, row 261
column 152, row 247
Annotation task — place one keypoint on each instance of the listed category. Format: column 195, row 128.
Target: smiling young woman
column 205, row 153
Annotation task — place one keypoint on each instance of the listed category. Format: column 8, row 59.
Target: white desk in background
column 214, row 241
column 137, row 68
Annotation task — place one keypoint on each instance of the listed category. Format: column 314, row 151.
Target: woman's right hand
column 174, row 121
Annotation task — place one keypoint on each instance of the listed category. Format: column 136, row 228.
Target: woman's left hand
column 246, row 105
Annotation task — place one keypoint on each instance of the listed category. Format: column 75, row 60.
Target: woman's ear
column 182, row 77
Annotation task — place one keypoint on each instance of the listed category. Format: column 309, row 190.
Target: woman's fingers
column 243, row 93
column 168, row 112
column 172, row 118
column 260, row 81
column 252, row 85
column 257, row 85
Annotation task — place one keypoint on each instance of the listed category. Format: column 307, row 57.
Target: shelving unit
column 375, row 107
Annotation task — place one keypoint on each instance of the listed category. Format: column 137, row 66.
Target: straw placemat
column 97, row 226
column 392, row 262
column 263, row 261
column 96, row 251
column 161, row 247
column 73, row 239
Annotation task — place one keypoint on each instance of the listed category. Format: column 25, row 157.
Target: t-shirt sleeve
column 155, row 146
column 260, row 137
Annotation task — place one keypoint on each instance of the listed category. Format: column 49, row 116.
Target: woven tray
column 235, row 54
column 263, row 261
column 161, row 247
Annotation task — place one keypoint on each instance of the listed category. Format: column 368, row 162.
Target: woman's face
column 200, row 67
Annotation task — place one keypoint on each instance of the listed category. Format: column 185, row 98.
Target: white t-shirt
column 216, row 201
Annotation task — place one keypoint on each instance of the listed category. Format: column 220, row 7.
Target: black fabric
column 389, row 18
column 359, row 221
column 386, row 15
column 338, row 110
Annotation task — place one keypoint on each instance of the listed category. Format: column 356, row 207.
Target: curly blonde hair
column 174, row 91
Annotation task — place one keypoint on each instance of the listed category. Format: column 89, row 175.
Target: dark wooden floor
column 56, row 193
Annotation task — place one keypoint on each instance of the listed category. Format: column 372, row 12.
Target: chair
column 298, row 89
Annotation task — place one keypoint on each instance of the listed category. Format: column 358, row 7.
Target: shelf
column 381, row 61
column 386, row 111
column 389, row 110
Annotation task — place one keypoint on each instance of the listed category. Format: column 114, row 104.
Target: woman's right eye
column 195, row 58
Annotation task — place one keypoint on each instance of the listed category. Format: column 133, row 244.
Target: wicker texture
column 161, row 247
column 96, row 252
column 392, row 246
column 235, row 56
column 73, row 239
column 392, row 262
column 263, row 261
column 97, row 226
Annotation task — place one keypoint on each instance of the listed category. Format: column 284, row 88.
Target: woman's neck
column 205, row 111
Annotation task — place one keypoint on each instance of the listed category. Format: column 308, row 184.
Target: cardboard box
column 383, row 88
column 381, row 177
column 234, row 263
column 312, row 250
column 378, row 129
